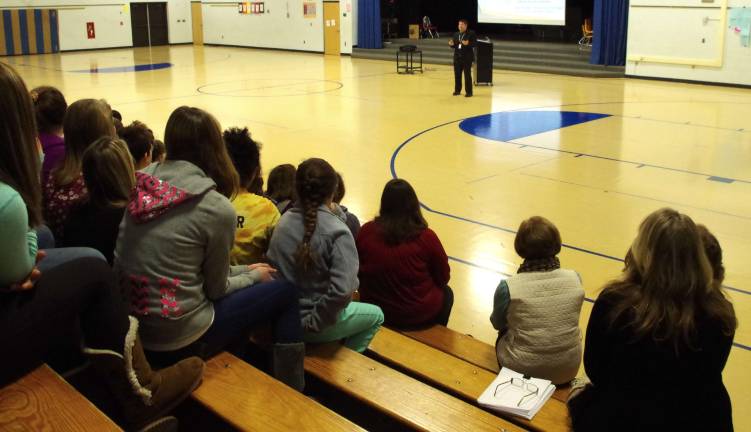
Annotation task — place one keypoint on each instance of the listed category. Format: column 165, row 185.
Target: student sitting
column 37, row 308
column 256, row 216
column 85, row 121
column 403, row 267
column 110, row 178
column 49, row 110
column 658, row 338
column 173, row 257
column 313, row 248
column 159, row 153
column 140, row 140
column 281, row 187
column 537, row 310
column 353, row 223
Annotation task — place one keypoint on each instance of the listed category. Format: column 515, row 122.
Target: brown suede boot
column 143, row 394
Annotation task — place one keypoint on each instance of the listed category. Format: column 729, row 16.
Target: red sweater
column 407, row 280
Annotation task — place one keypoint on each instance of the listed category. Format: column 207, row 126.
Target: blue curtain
column 369, row 24
column 610, row 27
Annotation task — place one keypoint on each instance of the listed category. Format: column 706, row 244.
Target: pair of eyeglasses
column 531, row 389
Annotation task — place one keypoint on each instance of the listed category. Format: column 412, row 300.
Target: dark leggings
column 77, row 297
column 448, row 303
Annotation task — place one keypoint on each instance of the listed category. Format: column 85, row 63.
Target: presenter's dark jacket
column 466, row 54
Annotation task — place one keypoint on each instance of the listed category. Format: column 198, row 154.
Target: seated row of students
column 38, row 308
column 241, row 264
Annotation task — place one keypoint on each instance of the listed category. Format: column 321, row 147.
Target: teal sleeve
column 501, row 300
column 19, row 248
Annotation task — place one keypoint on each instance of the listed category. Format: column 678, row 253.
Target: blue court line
column 392, row 163
column 120, row 69
column 587, row 299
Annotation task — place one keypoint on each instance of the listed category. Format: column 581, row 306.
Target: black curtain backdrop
column 445, row 13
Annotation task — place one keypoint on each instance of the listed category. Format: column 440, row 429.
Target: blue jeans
column 45, row 238
column 58, row 256
column 237, row 314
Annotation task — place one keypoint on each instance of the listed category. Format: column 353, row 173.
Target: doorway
column 149, row 24
column 331, row 35
column 197, row 18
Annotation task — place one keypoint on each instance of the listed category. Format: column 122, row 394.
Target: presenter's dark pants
column 466, row 67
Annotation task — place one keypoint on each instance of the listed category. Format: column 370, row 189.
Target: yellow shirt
column 256, row 218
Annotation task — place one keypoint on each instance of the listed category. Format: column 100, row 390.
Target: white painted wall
column 282, row 26
column 111, row 19
column 684, row 29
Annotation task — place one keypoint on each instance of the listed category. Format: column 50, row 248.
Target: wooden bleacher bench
column 457, row 376
column 411, row 402
column 469, row 349
column 250, row 400
column 43, row 401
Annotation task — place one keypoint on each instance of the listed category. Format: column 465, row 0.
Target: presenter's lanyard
column 461, row 37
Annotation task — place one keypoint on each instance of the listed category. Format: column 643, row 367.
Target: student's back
column 658, row 338
column 646, row 386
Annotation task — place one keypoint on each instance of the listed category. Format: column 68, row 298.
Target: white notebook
column 511, row 392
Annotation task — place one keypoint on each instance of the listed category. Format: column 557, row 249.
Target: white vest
column 543, row 338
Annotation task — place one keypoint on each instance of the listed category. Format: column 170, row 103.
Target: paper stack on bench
column 511, row 392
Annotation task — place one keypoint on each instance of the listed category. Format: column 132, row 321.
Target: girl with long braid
column 313, row 248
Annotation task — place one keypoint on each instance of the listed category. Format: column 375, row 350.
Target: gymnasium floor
column 640, row 145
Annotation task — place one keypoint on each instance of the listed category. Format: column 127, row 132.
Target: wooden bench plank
column 411, row 402
column 43, row 401
column 457, row 376
column 469, row 349
column 250, row 400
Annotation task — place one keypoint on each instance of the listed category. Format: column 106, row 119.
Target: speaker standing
column 463, row 43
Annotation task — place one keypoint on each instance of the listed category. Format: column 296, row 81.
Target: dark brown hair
column 340, row 189
column 464, row 21
column 195, row 136
column 281, row 183
column 140, row 139
column 86, row 120
column 19, row 157
column 159, row 151
column 537, row 238
column 49, row 108
column 714, row 253
column 109, row 172
column 668, row 283
column 316, row 183
column 245, row 155
column 400, row 217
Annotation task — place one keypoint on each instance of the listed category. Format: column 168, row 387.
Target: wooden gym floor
column 642, row 145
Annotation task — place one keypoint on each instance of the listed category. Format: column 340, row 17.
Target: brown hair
column 108, row 172
column 19, row 157
column 315, row 183
column 400, row 217
column 714, row 253
column 281, row 183
column 667, row 283
column 49, row 108
column 139, row 138
column 537, row 238
column 85, row 121
column 159, row 151
column 193, row 135
column 340, row 189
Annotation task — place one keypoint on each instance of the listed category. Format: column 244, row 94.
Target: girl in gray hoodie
column 173, row 256
column 313, row 248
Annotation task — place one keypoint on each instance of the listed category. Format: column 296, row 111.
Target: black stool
column 408, row 66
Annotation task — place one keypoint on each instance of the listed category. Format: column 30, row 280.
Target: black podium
column 484, row 63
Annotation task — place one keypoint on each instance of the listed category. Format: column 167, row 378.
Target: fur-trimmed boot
column 142, row 394
column 287, row 364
